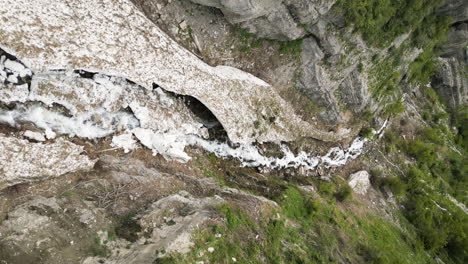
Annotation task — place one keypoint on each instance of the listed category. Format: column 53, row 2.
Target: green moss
column 292, row 48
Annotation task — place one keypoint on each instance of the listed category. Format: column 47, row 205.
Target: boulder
column 359, row 182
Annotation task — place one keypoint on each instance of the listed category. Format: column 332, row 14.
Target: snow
column 91, row 125
column 169, row 145
column 124, row 141
column 158, row 120
column 114, row 37
column 250, row 156
column 23, row 161
column 15, row 66
column 11, row 70
column 37, row 136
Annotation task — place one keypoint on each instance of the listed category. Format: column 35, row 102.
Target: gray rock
column 359, row 182
column 307, row 12
column 272, row 19
column 242, row 10
column 457, row 9
column 278, row 24
column 456, row 42
column 315, row 82
column 126, row 43
column 355, row 91
column 450, row 81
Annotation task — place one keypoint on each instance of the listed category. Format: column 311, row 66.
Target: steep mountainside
column 233, row 131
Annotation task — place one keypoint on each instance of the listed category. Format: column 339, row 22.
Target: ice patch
column 124, row 141
column 96, row 124
column 169, row 145
column 34, row 135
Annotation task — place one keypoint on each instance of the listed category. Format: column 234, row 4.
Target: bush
column 344, row 193
column 366, row 132
column 380, row 21
column 98, row 249
column 394, row 109
column 292, row 47
column 326, row 188
column 395, row 184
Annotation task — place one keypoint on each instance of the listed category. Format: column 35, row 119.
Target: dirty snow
column 22, row 161
column 114, row 37
column 97, row 124
column 37, row 136
column 158, row 120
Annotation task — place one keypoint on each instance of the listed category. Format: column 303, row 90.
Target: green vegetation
column 394, row 109
column 292, row 48
column 381, row 21
column 438, row 170
column 394, row 184
column 248, row 40
column 366, row 132
column 308, row 230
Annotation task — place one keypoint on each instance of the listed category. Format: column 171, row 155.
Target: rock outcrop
column 272, row 19
column 450, row 80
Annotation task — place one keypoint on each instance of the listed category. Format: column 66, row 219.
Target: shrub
column 326, row 188
column 292, row 47
column 98, row 249
column 424, row 153
column 395, row 184
column 344, row 193
column 393, row 109
column 366, row 132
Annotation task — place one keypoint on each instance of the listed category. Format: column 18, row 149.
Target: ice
column 169, row 145
column 34, row 135
column 124, row 141
column 91, row 125
column 17, row 67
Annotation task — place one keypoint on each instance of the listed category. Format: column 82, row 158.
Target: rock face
column 359, row 182
column 457, row 9
column 450, row 80
column 112, row 36
column 22, row 161
column 272, row 19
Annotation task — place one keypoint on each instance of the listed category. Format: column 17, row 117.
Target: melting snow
column 158, row 121
column 124, row 141
column 91, row 125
